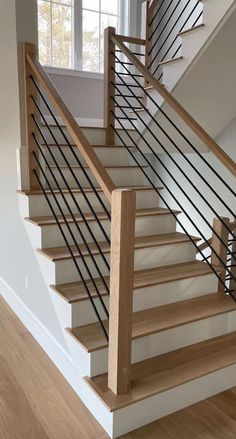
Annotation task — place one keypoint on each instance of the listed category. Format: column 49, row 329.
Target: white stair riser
column 119, row 176
column 96, row 136
column 173, row 400
column 65, row 271
column 163, row 342
column 147, row 297
column 108, row 156
column 38, row 206
column 51, row 235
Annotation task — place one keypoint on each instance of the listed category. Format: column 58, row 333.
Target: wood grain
column 121, row 290
column 214, row 418
column 75, row 292
column 75, row 131
column 49, row 220
column 162, row 373
column 158, row 319
column 109, row 87
column 29, row 109
column 62, row 253
column 219, row 245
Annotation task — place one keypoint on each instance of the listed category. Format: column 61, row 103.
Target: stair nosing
column 146, row 284
column 166, row 327
column 140, row 213
column 120, row 401
column 191, row 29
column 138, row 246
column 138, row 188
column 171, row 60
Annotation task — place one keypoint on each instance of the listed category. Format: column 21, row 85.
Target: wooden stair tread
column 105, row 166
column 158, row 319
column 49, row 220
column 156, row 375
column 75, row 291
column 62, row 253
column 171, row 60
column 87, row 190
column 93, row 146
column 191, row 29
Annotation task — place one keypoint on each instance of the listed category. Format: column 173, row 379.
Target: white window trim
column 128, row 27
column 73, row 72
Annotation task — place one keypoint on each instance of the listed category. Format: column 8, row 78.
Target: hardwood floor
column 37, row 403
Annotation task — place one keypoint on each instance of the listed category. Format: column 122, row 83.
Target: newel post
column 121, row 290
column 219, row 256
column 29, row 90
column 233, row 268
column 149, row 27
column 109, row 88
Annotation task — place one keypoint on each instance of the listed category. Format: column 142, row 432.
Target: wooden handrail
column 151, row 6
column 204, row 245
column 75, row 131
column 177, row 107
column 133, row 40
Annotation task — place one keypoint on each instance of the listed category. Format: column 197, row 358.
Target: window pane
column 64, row 2
column 90, row 41
column 61, row 36
column 91, row 4
column 110, row 6
column 106, row 20
column 44, row 29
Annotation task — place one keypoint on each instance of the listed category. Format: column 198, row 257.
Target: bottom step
column 160, row 374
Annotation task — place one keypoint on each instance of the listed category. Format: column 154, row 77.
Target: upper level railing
column 126, row 99
column 46, row 151
column 155, row 133
column 165, row 20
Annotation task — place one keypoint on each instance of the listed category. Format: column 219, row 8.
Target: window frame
column 125, row 28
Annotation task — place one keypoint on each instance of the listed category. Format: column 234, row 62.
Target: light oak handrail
column 75, row 131
column 177, row 107
column 151, row 6
column 204, row 245
column 133, row 40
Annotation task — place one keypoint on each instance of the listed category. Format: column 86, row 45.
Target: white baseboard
column 46, row 340
column 58, row 356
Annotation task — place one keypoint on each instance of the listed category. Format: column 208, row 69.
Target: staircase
column 147, row 307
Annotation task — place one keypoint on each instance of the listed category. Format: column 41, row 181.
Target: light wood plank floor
column 37, row 403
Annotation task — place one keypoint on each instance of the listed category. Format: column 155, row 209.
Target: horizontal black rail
column 70, row 210
column 189, row 143
column 135, row 126
column 68, row 245
column 166, row 25
column 68, row 143
column 71, row 229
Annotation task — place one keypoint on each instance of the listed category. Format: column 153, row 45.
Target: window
column 97, row 15
column 55, row 28
column 71, row 32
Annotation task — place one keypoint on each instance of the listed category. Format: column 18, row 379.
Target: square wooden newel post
column 121, row 290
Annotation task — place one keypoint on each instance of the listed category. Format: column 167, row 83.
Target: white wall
column 166, row 21
column 83, row 95
column 17, row 259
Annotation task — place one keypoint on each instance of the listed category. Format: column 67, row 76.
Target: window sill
column 74, row 73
